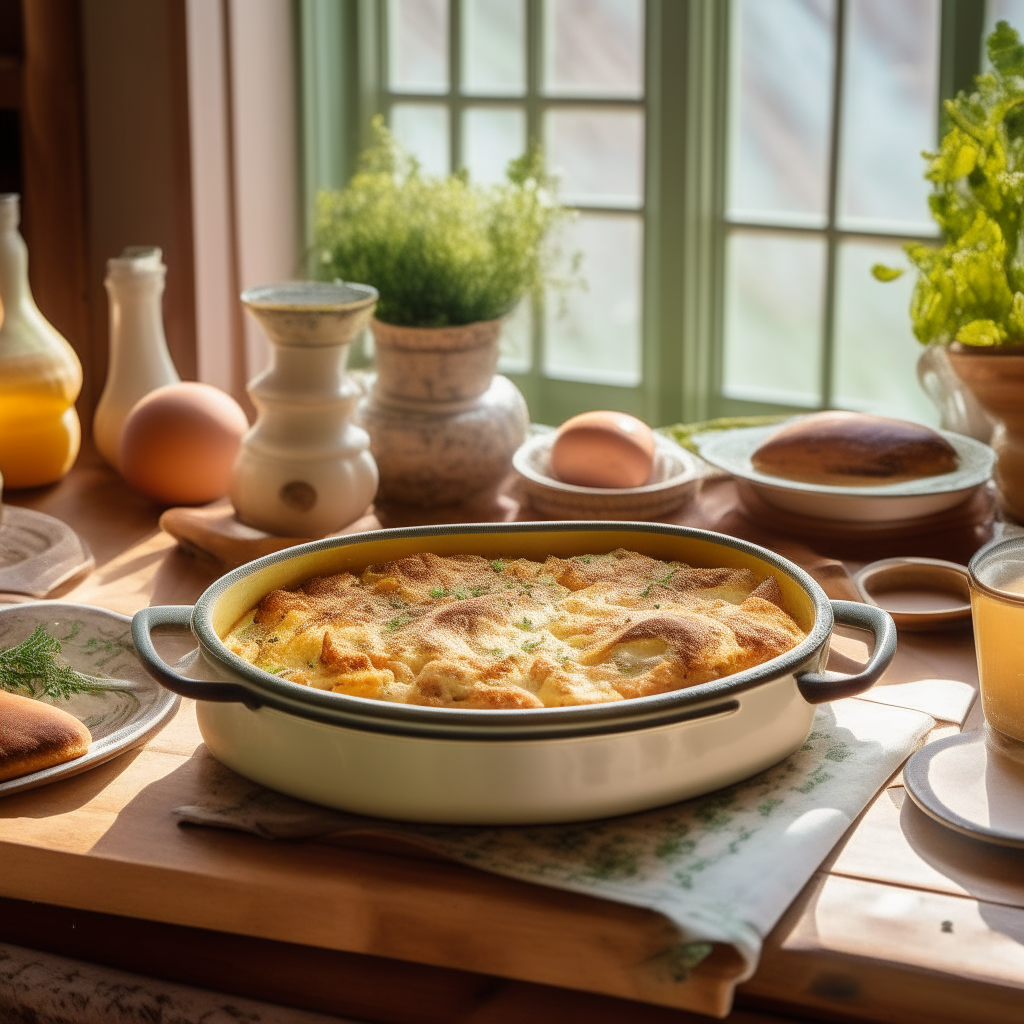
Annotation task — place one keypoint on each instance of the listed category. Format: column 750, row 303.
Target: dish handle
column 820, row 687
column 143, row 624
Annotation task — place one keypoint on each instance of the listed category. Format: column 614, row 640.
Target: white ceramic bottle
column 305, row 470
column 139, row 361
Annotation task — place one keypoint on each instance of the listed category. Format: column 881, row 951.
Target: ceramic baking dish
column 503, row 767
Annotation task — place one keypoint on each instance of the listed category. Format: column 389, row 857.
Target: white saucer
column 731, row 450
column 674, row 481
column 972, row 783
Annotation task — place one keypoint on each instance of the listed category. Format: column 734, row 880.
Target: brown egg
column 179, row 443
column 603, row 449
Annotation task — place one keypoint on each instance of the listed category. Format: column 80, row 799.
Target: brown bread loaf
column 34, row 735
column 850, row 449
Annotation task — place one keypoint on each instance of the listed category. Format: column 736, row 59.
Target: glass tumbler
column 997, row 604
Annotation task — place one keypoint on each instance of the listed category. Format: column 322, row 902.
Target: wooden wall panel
column 137, row 150
column 54, row 219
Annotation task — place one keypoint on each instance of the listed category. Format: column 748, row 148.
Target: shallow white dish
column 465, row 766
column 674, row 481
column 98, row 642
column 731, row 451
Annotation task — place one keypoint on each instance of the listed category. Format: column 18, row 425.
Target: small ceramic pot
column 996, row 378
column 443, row 427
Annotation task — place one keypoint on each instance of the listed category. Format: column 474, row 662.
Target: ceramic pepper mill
column 139, row 361
column 40, row 375
column 305, row 469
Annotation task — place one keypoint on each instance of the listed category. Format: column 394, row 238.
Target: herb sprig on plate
column 31, row 668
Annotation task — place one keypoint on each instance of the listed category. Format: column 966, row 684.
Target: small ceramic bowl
column 674, row 481
column 919, row 593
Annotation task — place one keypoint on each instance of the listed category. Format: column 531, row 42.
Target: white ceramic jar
column 305, row 470
column 139, row 361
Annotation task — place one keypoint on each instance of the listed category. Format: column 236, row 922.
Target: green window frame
column 342, row 63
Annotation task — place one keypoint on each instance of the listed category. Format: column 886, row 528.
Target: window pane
column 773, row 311
column 594, row 48
column 423, row 129
column 875, row 350
column 782, row 67
column 490, row 138
column 494, row 47
column 1002, row 10
column 516, row 344
column 598, row 154
column 890, row 107
column 418, row 45
column 596, row 337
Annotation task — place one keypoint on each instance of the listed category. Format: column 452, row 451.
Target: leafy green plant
column 971, row 288
column 31, row 668
column 440, row 251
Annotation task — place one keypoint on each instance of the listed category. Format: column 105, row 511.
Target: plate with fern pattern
column 122, row 705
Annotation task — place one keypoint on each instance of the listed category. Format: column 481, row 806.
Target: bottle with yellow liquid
column 40, row 375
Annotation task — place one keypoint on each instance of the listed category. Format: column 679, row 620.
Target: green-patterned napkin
column 720, row 868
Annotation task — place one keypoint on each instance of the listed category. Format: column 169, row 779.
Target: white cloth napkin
column 720, row 868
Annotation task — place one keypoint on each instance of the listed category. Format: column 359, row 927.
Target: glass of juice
column 997, row 604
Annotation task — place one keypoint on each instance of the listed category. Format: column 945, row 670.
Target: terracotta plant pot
column 443, row 427
column 996, row 378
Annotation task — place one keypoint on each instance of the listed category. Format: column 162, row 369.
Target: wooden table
column 905, row 922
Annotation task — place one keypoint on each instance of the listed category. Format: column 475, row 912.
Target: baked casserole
column 471, row 632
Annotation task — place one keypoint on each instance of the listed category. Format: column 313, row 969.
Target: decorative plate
column 38, row 552
column 731, row 451
column 97, row 642
column 674, row 481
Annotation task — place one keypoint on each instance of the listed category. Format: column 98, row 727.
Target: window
column 737, row 165
column 831, row 103
column 467, row 82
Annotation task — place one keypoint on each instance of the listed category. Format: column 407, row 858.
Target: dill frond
column 32, row 668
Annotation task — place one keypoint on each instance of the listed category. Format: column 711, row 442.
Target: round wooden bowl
column 919, row 593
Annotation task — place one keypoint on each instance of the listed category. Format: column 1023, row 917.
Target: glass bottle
column 40, row 375
column 139, row 361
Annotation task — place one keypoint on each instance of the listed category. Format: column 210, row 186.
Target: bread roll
column 34, row 735
column 851, row 449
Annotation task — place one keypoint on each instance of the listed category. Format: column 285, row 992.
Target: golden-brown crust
column 465, row 631
column 34, row 736
column 848, row 449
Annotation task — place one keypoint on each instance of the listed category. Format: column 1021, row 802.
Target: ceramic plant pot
column 996, row 378
column 304, row 469
column 959, row 410
column 443, row 427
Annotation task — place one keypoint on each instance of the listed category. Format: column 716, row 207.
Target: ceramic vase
column 304, row 469
column 40, row 375
column 443, row 426
column 139, row 361
column 996, row 378
column 959, row 410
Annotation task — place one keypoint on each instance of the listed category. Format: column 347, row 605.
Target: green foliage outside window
column 971, row 289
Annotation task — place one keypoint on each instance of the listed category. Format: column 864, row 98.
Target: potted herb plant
column 450, row 260
column 969, row 294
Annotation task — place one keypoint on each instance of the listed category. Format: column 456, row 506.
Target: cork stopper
column 10, row 211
